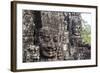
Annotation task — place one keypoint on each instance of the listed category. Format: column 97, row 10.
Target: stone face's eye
column 46, row 38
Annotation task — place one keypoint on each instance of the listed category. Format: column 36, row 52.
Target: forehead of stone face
column 48, row 31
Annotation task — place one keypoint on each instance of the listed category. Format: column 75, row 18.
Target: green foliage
column 86, row 33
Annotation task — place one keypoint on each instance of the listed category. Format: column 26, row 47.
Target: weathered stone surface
column 51, row 36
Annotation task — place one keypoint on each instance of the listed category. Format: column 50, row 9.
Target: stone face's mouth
column 48, row 52
column 49, row 49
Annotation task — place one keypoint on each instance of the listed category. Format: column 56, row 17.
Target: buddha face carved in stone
column 76, row 26
column 48, row 43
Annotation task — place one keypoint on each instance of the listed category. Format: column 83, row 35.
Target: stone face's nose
column 50, row 44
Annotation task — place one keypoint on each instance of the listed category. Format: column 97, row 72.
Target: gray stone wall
column 65, row 26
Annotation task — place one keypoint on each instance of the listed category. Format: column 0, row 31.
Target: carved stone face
column 48, row 44
column 76, row 26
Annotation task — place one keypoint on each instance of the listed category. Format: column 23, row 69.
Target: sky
column 87, row 17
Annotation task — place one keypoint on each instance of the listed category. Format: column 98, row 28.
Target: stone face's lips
column 49, row 54
column 48, row 51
